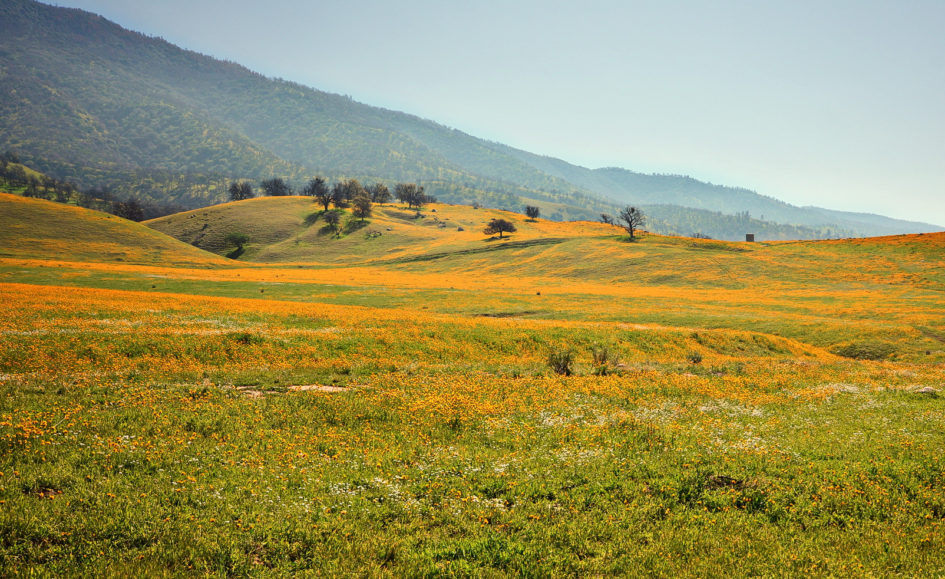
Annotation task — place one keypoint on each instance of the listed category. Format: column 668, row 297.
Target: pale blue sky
column 839, row 104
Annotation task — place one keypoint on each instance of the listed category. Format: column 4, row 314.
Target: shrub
column 600, row 354
column 560, row 361
column 602, row 357
column 694, row 357
column 865, row 350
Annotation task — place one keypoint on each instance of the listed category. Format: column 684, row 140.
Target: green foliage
column 333, row 221
column 561, row 361
column 361, row 206
column 317, row 188
column 412, row 194
column 237, row 239
column 276, row 187
column 499, row 226
column 379, row 193
column 601, row 354
column 240, row 191
column 602, row 357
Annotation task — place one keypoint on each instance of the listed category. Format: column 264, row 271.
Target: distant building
column 749, row 237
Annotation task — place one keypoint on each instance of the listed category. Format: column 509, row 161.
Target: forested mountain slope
column 91, row 102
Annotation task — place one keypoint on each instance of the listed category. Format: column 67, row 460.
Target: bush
column 602, row 357
column 561, row 361
column 600, row 354
column 694, row 357
column 866, row 350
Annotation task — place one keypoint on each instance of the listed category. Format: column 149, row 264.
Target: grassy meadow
column 381, row 402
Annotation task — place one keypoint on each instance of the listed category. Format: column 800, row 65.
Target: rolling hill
column 810, row 291
column 448, row 239
column 91, row 102
column 40, row 229
column 292, row 229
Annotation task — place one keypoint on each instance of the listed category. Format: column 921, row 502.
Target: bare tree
column 632, row 219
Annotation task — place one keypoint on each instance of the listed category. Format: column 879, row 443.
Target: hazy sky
column 839, row 104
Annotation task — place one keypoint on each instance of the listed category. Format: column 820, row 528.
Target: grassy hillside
column 431, row 402
column 40, row 229
column 293, row 229
column 590, row 271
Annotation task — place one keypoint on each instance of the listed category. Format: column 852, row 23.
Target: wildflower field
column 718, row 408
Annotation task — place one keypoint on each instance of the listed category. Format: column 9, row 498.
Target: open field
column 340, row 406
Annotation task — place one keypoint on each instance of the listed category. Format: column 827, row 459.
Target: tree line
column 99, row 198
column 342, row 194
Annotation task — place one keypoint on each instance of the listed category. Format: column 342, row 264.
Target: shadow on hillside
column 404, row 215
column 328, row 229
column 312, row 218
column 353, row 226
column 236, row 253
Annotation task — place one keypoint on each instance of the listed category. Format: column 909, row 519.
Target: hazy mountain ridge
column 90, row 100
column 629, row 187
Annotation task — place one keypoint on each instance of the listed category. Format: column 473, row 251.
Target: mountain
column 89, row 101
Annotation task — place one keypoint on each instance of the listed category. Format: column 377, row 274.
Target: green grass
column 128, row 467
column 151, row 421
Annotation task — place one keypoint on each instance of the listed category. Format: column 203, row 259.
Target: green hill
column 293, row 229
column 449, row 238
column 91, row 102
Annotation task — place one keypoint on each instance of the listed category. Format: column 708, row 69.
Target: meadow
column 384, row 405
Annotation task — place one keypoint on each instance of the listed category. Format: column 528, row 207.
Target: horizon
column 839, row 111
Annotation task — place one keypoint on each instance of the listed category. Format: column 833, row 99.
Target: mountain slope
column 89, row 101
column 636, row 188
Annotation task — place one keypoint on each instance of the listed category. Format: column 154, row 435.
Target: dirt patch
column 250, row 392
column 505, row 314
column 318, row 388
column 253, row 392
